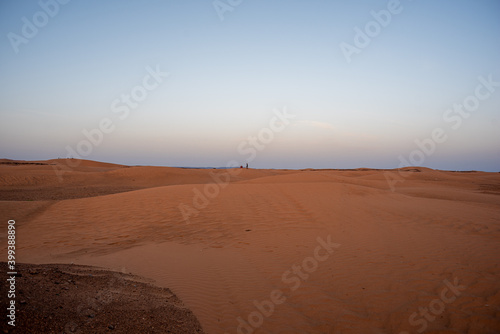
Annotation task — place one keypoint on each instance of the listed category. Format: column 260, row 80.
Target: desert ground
column 412, row 250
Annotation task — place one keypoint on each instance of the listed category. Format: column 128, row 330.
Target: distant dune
column 276, row 251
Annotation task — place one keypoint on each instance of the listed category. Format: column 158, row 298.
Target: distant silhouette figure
column 247, row 166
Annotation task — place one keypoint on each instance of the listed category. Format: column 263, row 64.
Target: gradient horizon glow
column 226, row 78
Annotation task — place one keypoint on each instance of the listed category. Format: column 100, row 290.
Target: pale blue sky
column 227, row 76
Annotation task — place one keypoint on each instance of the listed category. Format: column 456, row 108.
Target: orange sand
column 397, row 252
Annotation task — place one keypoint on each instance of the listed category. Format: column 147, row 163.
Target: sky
column 277, row 84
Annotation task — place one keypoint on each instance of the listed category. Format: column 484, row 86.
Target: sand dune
column 348, row 254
